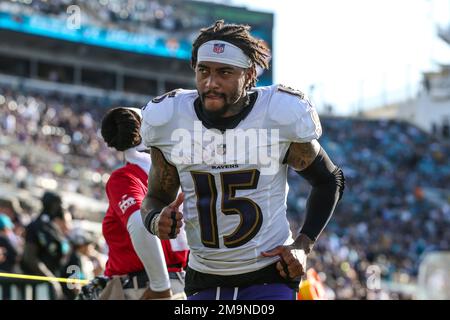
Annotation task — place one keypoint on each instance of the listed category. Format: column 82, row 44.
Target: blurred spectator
column 11, row 207
column 13, row 210
column 83, row 244
column 8, row 251
column 84, row 260
column 46, row 247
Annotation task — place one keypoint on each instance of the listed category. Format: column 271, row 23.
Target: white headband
column 223, row 52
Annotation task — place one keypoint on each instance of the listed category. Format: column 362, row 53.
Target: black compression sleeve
column 328, row 184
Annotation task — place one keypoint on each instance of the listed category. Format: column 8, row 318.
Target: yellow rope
column 41, row 278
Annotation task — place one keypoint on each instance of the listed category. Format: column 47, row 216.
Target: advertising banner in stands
column 163, row 39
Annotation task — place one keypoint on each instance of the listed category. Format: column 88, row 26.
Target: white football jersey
column 235, row 181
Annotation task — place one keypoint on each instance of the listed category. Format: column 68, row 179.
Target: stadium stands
column 131, row 15
column 61, row 135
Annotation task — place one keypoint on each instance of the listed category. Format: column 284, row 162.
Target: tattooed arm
column 160, row 208
column 301, row 155
column 163, row 183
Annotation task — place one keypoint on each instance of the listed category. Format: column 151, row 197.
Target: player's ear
column 250, row 73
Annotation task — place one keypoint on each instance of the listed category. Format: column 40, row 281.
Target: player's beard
column 229, row 102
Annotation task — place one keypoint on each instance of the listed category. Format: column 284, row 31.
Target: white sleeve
column 149, row 249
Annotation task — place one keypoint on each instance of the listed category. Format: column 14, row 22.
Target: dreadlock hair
column 121, row 128
column 240, row 36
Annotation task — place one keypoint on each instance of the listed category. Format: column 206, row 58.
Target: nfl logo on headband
column 223, row 52
column 219, row 47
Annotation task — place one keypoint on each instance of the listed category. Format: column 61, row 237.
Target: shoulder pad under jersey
column 160, row 109
column 290, row 107
column 287, row 105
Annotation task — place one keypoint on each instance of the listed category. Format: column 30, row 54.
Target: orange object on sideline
column 311, row 288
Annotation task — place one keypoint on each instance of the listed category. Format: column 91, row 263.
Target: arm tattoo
column 163, row 183
column 301, row 155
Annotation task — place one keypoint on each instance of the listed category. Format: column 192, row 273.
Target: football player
column 234, row 193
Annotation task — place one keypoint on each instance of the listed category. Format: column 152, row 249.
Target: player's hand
column 149, row 294
column 170, row 219
column 292, row 262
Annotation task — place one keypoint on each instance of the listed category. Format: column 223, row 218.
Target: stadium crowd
column 389, row 217
column 61, row 126
column 140, row 16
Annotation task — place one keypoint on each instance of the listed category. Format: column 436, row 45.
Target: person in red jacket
column 152, row 268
